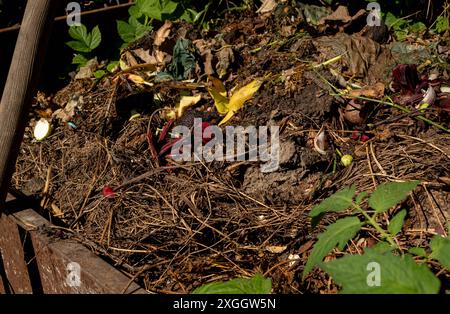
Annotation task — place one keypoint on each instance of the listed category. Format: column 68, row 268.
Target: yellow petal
column 242, row 95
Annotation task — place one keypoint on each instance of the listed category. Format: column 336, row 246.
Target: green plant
column 255, row 285
column 84, row 43
column 403, row 26
column 399, row 272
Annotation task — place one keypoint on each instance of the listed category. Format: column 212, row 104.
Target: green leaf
column 99, row 74
column 337, row 234
column 131, row 31
column 137, row 9
column 390, row 194
column 78, row 32
column 360, row 197
column 418, row 251
column 441, row 25
column 337, row 202
column 84, row 41
column 96, row 38
column 255, row 285
column 382, row 247
column 78, row 46
column 112, row 66
column 126, row 31
column 390, row 19
column 440, row 248
column 396, row 223
column 417, row 27
column 356, row 274
column 79, row 59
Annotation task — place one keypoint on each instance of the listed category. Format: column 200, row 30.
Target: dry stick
column 21, row 83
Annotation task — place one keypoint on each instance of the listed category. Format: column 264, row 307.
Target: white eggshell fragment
column 42, row 129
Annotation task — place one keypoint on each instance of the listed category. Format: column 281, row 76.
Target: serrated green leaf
column 418, row 251
column 95, row 38
column 356, row 274
column 78, row 46
column 137, row 9
column 440, row 250
column 390, row 194
column 126, row 31
column 255, row 285
column 78, row 32
column 337, row 234
column 396, row 223
column 337, row 202
column 131, row 31
column 84, row 41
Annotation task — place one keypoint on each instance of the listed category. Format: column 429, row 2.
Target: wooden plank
column 55, row 255
column 13, row 259
column 21, row 83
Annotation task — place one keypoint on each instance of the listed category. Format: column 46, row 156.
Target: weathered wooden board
column 13, row 260
column 58, row 261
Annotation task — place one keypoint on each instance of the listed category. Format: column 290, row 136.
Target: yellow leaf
column 138, row 80
column 229, row 115
column 218, row 94
column 220, row 101
column 186, row 102
column 243, row 94
column 218, row 86
column 239, row 98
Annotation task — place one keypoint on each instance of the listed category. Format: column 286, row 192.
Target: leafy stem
column 373, row 223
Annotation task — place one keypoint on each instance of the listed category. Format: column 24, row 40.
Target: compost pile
column 105, row 175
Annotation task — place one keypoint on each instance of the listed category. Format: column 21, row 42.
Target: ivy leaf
column 390, row 194
column 338, row 234
column 396, row 223
column 441, row 250
column 337, row 202
column 255, row 285
column 396, row 274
